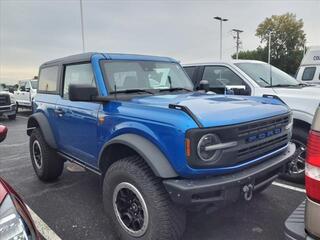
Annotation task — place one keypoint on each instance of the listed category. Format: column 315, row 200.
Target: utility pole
column 269, row 49
column 237, row 31
column 221, row 20
column 82, row 30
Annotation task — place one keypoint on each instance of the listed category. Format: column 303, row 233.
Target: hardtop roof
column 86, row 57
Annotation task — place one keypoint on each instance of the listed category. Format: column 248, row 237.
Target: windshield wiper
column 264, row 81
column 282, row 85
column 134, row 90
column 175, row 89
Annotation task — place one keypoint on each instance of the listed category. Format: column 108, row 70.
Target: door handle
column 59, row 112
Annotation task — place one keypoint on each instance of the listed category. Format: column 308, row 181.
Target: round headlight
column 206, row 141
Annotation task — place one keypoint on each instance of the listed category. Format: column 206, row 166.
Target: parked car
column 309, row 70
column 15, row 219
column 303, row 223
column 255, row 78
column 160, row 147
column 25, row 93
column 7, row 104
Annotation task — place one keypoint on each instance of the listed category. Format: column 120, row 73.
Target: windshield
column 145, row 75
column 34, row 84
column 264, row 76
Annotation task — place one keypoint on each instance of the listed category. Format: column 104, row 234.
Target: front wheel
column 296, row 167
column 137, row 203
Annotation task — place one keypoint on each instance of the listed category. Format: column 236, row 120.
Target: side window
column 219, row 76
column 28, row 87
column 48, row 80
column 77, row 74
column 308, row 73
column 190, row 71
column 22, row 86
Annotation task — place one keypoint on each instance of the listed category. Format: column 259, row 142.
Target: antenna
column 170, row 82
column 115, row 91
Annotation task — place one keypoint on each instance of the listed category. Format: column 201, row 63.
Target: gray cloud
column 32, row 32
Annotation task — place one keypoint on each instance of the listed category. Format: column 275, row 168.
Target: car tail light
column 313, row 166
column 15, row 221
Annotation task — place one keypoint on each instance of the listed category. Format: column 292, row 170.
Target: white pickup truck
column 255, row 78
column 25, row 93
column 7, row 104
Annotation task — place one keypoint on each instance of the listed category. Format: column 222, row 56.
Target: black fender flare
column 156, row 160
column 41, row 121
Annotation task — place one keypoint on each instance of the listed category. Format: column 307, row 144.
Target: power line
column 237, row 37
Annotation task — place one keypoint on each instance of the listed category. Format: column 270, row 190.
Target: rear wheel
column 45, row 161
column 296, row 167
column 137, row 203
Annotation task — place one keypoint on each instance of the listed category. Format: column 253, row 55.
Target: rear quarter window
column 308, row 73
column 48, row 80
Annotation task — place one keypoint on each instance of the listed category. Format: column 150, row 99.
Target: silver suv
column 303, row 223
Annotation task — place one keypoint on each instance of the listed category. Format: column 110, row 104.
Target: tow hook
column 248, row 192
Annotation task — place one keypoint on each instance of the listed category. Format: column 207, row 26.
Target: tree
column 287, row 42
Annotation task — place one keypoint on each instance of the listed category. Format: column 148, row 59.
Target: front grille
column 254, row 139
column 263, row 125
column 4, row 100
column 262, row 137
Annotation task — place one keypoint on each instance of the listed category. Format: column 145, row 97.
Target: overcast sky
column 34, row 31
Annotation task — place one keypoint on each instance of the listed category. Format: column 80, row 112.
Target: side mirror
column 27, row 89
column 22, row 88
column 3, row 132
column 82, row 92
column 204, row 85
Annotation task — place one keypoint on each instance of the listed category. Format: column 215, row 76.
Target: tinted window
column 308, row 73
column 77, row 74
column 48, row 80
column 219, row 76
column 127, row 75
column 190, row 71
column 22, row 86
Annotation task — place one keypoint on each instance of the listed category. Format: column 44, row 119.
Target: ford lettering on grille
column 263, row 135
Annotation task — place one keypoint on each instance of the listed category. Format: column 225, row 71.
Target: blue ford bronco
column 160, row 147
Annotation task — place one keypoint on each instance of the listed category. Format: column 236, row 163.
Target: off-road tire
column 12, row 117
column 166, row 220
column 301, row 135
column 51, row 166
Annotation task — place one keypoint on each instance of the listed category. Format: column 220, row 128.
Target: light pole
column 221, row 20
column 269, row 48
column 82, row 30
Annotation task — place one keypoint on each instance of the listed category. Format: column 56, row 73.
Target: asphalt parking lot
column 72, row 206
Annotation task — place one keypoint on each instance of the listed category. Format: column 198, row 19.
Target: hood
column 302, row 99
column 219, row 110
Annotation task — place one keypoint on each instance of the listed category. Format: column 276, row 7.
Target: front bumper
column 8, row 110
column 220, row 190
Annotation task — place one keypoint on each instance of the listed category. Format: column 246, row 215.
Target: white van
column 309, row 70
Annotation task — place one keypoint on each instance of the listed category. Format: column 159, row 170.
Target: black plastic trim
column 226, row 188
column 187, row 111
column 45, row 128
